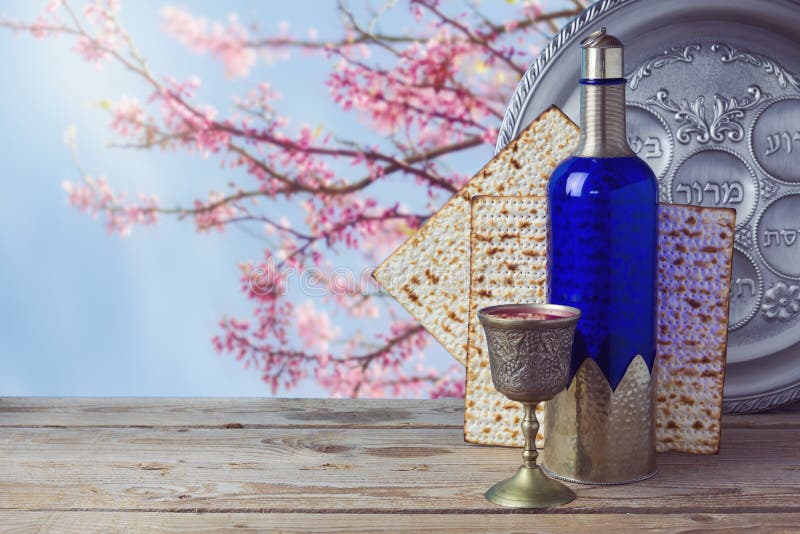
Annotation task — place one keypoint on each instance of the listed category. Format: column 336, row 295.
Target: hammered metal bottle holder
column 597, row 435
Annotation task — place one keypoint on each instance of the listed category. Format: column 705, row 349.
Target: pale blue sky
column 85, row 313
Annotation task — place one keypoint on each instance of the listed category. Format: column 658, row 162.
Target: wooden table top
column 100, row 464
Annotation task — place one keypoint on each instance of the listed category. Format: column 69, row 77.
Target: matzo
column 507, row 265
column 428, row 274
column 695, row 251
column 695, row 248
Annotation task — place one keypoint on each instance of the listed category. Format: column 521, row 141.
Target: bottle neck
column 603, row 122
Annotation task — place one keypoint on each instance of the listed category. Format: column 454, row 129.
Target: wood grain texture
column 419, row 470
column 351, row 465
column 221, row 412
column 84, row 522
column 276, row 413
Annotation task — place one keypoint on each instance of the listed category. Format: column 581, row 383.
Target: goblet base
column 530, row 488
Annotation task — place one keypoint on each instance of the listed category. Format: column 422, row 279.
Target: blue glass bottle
column 602, row 260
column 602, row 239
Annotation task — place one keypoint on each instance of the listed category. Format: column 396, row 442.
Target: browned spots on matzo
column 689, row 382
column 696, row 304
column 520, row 228
column 412, row 296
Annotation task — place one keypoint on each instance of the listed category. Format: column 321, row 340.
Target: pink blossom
column 314, row 201
column 213, row 214
column 92, row 50
column 314, row 327
column 96, row 197
column 128, row 117
column 52, row 5
column 225, row 42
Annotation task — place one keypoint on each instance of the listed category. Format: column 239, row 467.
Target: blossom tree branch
column 316, row 197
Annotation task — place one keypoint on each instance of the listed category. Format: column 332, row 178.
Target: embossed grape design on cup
column 530, row 348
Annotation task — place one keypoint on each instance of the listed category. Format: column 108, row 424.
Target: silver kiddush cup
column 530, row 348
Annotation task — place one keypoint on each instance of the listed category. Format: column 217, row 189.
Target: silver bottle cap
column 601, row 56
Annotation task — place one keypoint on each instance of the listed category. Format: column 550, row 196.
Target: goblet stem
column 530, row 427
column 530, row 487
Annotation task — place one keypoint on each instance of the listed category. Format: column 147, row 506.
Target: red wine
column 529, row 315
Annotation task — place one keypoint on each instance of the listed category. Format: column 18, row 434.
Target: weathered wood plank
column 413, row 470
column 85, row 522
column 275, row 413
column 232, row 412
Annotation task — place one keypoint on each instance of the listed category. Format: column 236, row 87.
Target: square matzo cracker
column 507, row 266
column 695, row 251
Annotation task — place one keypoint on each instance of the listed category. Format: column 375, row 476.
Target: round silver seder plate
column 714, row 108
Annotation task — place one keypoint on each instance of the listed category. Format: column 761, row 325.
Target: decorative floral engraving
column 725, row 122
column 768, row 189
column 770, row 66
column 530, row 363
column 670, row 56
column 781, row 301
column 744, row 237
